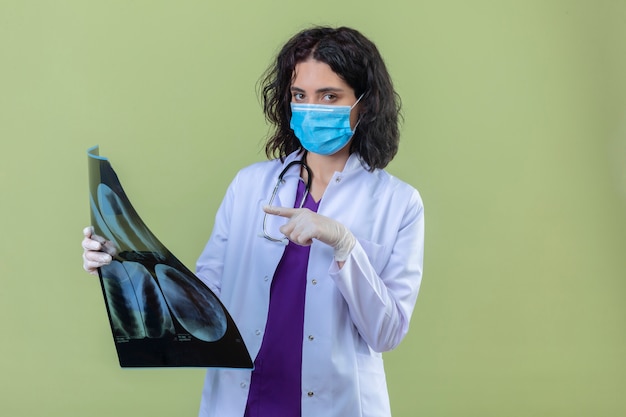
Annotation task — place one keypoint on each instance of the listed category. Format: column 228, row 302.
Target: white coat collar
column 287, row 190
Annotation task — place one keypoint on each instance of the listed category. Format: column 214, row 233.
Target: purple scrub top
column 276, row 385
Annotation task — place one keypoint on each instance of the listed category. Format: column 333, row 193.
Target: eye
column 329, row 97
column 297, row 96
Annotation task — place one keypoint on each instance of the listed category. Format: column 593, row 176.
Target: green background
column 515, row 134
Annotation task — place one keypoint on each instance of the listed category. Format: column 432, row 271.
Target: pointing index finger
column 279, row 211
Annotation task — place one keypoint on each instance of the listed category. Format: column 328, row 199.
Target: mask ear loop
column 357, row 101
column 359, row 119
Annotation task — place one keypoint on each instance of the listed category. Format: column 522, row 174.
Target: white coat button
column 311, row 337
column 257, row 332
column 314, row 281
column 310, row 393
column 243, row 385
column 338, row 180
column 266, row 278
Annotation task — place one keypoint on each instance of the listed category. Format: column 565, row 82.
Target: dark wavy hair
column 357, row 61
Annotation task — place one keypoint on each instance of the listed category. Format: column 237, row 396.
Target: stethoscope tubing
column 275, row 191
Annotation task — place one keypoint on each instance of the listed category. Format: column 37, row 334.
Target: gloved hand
column 97, row 251
column 305, row 225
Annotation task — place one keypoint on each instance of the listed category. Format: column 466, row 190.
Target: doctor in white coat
column 321, row 274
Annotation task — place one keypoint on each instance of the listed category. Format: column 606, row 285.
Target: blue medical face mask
column 322, row 129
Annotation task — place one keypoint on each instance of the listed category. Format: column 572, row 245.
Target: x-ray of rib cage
column 160, row 313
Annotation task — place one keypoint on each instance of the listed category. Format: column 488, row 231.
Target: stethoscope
column 280, row 181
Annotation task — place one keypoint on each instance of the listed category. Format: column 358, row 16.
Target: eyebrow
column 320, row 90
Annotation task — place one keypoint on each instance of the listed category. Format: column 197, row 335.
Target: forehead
column 314, row 75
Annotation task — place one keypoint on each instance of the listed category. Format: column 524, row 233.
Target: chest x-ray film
column 161, row 314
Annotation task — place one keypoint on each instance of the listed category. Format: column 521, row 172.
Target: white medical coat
column 351, row 314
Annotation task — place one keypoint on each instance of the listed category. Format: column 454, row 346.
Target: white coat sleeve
column 381, row 305
column 210, row 264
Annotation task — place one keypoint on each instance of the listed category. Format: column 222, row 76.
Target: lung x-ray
column 160, row 313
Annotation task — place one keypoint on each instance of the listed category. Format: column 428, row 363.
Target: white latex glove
column 97, row 251
column 304, row 226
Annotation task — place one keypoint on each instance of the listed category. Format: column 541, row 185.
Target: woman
column 320, row 279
